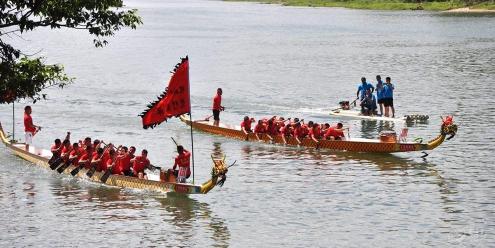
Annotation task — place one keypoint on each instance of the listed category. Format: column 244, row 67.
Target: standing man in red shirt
column 217, row 107
column 29, row 128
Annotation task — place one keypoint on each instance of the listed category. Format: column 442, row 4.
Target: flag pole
column 190, row 119
column 13, row 121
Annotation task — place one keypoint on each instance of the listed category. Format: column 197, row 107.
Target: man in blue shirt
column 379, row 92
column 363, row 87
column 388, row 97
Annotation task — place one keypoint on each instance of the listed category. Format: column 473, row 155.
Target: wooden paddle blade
column 55, row 163
column 91, row 172
column 63, row 167
column 105, row 176
column 76, row 170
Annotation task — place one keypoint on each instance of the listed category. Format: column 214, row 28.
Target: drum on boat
column 388, row 137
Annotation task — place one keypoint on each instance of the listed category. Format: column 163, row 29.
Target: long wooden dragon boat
column 350, row 144
column 40, row 158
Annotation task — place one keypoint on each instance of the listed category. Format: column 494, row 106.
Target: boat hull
column 39, row 158
column 353, row 145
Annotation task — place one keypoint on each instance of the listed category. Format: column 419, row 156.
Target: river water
column 269, row 59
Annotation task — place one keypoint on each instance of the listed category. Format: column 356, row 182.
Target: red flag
column 174, row 101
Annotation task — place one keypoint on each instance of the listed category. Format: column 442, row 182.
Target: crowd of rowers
column 120, row 160
column 296, row 128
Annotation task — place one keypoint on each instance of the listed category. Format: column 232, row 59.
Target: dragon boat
column 40, row 157
column 448, row 128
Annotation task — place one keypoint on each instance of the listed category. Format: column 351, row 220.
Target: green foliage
column 385, row 4
column 23, row 77
column 28, row 77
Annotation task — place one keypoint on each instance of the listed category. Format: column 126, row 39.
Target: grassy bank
column 378, row 4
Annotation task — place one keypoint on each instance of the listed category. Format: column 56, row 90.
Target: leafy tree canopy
column 22, row 76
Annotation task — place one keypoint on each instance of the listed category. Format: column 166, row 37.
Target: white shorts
column 28, row 137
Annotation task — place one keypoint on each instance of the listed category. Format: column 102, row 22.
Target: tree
column 22, row 76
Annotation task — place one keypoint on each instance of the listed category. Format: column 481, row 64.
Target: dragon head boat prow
column 448, row 127
column 218, row 174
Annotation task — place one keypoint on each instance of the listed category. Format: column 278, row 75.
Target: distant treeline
column 385, row 4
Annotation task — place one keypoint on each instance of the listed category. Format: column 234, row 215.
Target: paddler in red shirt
column 335, row 132
column 217, row 107
column 183, row 160
column 315, row 133
column 271, row 129
column 29, row 128
column 259, row 129
column 97, row 159
column 85, row 159
column 324, row 127
column 67, row 148
column 285, row 132
column 298, row 132
column 120, row 161
column 126, row 161
column 111, row 161
column 75, row 154
column 139, row 164
column 246, row 126
column 56, row 148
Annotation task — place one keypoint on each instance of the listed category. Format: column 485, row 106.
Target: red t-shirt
column 125, row 163
column 100, row 165
column 259, row 128
column 246, row 125
column 272, row 130
column 298, row 132
column 108, row 163
column 87, row 165
column 332, row 131
column 28, row 124
column 55, row 150
column 140, row 163
column 77, row 154
column 104, row 159
column 217, row 102
column 285, row 131
column 66, row 150
column 315, row 132
column 184, row 160
column 118, row 168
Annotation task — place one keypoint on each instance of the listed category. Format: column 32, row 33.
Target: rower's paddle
column 65, row 165
column 354, row 102
column 205, row 119
column 175, row 142
column 91, row 172
column 105, row 176
column 76, row 170
column 54, row 162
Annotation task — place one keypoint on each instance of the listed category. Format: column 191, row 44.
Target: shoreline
column 443, row 7
column 469, row 10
